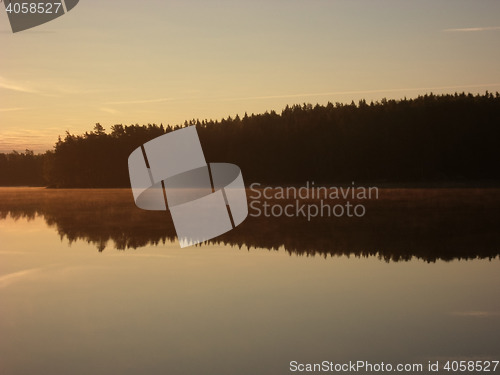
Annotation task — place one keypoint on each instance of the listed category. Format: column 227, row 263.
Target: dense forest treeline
column 433, row 138
column 22, row 169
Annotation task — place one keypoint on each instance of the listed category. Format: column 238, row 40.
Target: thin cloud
column 309, row 94
column 110, row 110
column 472, row 29
column 72, row 90
column 15, row 86
column 332, row 93
column 12, row 109
column 143, row 101
column 51, row 89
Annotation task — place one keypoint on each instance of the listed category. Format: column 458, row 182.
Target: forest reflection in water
column 428, row 224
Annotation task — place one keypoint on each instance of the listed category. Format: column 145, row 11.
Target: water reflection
column 429, row 224
column 215, row 310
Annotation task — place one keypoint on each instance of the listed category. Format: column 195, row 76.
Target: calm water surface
column 66, row 308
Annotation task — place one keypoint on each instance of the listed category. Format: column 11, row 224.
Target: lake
column 90, row 284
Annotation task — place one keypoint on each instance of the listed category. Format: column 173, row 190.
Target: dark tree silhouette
column 430, row 139
column 21, row 169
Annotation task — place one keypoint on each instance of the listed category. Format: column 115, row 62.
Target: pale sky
column 163, row 61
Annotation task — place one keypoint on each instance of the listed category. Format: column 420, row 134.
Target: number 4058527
column 469, row 366
column 33, row 8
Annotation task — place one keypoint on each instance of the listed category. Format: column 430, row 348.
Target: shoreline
column 333, row 185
